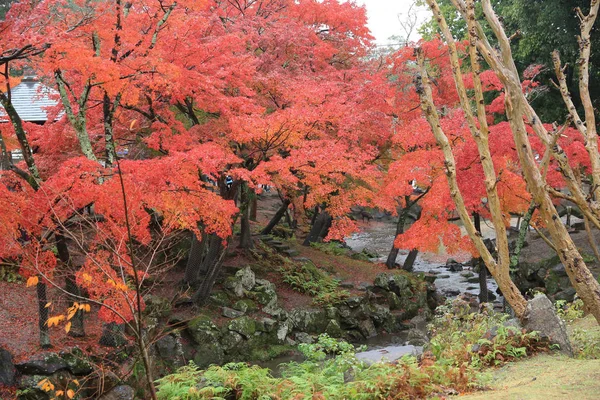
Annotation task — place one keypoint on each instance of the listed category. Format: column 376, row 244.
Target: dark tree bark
column 391, row 260
column 43, row 315
column 214, row 253
column 194, row 263
column 483, row 289
column 410, row 260
column 320, row 228
column 77, row 322
column 253, row 205
column 245, row 233
column 276, row 218
column 211, row 265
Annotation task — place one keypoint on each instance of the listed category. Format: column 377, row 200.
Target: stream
column 378, row 236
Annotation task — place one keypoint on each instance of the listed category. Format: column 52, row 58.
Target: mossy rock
column 208, row 354
column 203, row 330
column 219, row 298
column 393, row 300
column 245, row 326
column 334, row 329
column 231, row 342
column 552, row 283
column 264, row 293
column 77, row 362
column 245, row 305
column 270, row 352
column 311, row 321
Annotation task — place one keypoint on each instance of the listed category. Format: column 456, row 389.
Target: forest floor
column 550, row 376
column 544, row 377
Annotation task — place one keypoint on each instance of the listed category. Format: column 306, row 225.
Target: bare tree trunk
column 253, row 205
column 410, row 260
column 42, row 298
column 276, row 218
column 516, row 108
column 499, row 268
column 194, row 263
column 212, row 265
column 77, row 322
column 245, row 233
column 391, row 259
column 319, row 229
column 483, row 289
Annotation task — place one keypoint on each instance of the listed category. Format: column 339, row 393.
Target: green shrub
column 342, row 376
column 331, row 248
column 10, row 274
column 332, row 371
column 569, row 311
column 307, row 278
column 479, row 339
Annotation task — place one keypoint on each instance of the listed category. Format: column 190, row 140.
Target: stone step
column 266, row 238
column 291, row 252
column 281, row 247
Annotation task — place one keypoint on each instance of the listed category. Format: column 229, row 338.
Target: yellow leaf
column 70, row 393
column 46, row 385
column 59, row 393
column 132, row 124
column 32, row 281
column 68, row 327
column 55, row 320
column 76, row 382
column 71, row 314
column 87, row 308
column 48, row 304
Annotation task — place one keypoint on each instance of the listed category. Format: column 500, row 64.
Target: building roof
column 31, row 99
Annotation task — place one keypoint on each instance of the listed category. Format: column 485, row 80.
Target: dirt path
column 544, row 377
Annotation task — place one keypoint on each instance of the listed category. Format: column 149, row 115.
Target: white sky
column 383, row 18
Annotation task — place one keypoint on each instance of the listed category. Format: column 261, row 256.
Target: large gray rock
column 264, row 292
column 209, row 353
column 42, row 364
column 540, row 316
column 367, row 328
column 245, row 326
column 389, row 354
column 121, row 392
column 246, row 278
column 77, row 362
column 203, row 330
column 7, row 368
column 231, row 313
column 311, row 321
column 282, row 331
column 234, row 285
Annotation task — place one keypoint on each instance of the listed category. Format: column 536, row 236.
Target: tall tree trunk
column 245, row 233
column 391, row 259
column 212, row 265
column 320, row 228
column 276, row 218
column 253, row 205
column 194, row 262
column 410, row 260
column 42, row 298
column 482, row 270
column 77, row 322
